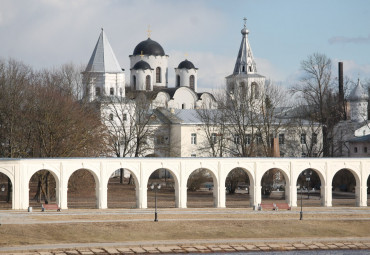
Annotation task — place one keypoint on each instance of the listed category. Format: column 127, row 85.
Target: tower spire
column 245, row 61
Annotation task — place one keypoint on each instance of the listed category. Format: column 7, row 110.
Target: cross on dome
column 149, row 31
column 245, row 22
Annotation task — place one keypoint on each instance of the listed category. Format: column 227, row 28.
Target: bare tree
column 316, row 91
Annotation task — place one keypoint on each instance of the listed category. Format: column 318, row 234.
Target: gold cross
column 186, row 55
column 141, row 54
column 149, row 31
column 245, row 21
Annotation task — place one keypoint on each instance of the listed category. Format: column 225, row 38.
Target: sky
column 50, row 33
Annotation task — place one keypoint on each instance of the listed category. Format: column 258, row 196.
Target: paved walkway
column 195, row 246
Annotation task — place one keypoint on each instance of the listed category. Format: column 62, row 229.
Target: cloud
column 345, row 40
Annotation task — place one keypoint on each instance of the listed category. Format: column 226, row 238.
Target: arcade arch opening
column 238, row 189
column 82, row 190
column 6, row 192
column 166, row 195
column 122, row 189
column 42, row 189
column 202, row 189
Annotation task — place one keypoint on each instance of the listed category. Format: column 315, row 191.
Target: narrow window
column 259, row 138
column 178, row 80
column 255, row 91
column 193, row 155
column 111, row 116
column 250, row 69
column 160, row 139
column 314, row 138
column 303, row 138
column 111, row 91
column 124, row 117
column 147, row 82
column 236, row 139
column 365, row 149
column 193, row 138
column 248, row 139
column 97, row 92
column 213, row 138
column 158, row 75
column 191, row 81
column 183, row 106
column 243, row 69
column 120, row 91
column 281, row 139
column 134, row 78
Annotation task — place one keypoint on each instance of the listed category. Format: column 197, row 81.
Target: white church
column 148, row 73
column 176, row 126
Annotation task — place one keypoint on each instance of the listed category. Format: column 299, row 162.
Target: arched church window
column 255, row 91
column 183, row 106
column 147, row 82
column 191, row 81
column 111, row 116
column 242, row 88
column 134, row 78
column 111, row 91
column 250, row 69
column 243, row 69
column 97, row 92
column 158, row 75
column 177, row 80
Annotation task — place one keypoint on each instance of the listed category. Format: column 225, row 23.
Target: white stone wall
column 184, row 97
column 141, row 79
column 154, row 62
column 185, row 77
column 104, row 81
column 20, row 171
column 358, row 111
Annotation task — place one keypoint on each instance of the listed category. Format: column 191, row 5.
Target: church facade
column 176, row 129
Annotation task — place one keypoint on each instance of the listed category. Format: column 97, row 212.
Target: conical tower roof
column 358, row 93
column 103, row 58
column 245, row 61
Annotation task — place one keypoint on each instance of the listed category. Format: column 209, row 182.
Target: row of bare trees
column 41, row 116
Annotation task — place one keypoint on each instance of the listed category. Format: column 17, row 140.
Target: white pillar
column 141, row 197
column 63, row 189
column 257, row 194
column 361, row 194
column 221, row 195
column 251, row 191
column 327, row 195
column 293, row 194
column 183, row 196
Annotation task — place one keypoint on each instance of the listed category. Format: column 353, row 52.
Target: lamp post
column 308, row 178
column 301, row 212
column 155, row 187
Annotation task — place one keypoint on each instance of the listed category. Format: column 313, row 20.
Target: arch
column 192, row 82
column 169, row 185
column 119, row 189
column 177, row 80
column 345, row 187
column 6, row 191
column 42, row 188
column 158, row 77
column 310, row 192
column 87, row 201
column 111, row 91
column 147, row 82
column 204, row 186
column 273, row 191
column 173, row 175
column 244, row 191
column 134, row 81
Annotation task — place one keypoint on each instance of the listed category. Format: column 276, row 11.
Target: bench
column 283, row 206
column 50, row 207
column 268, row 206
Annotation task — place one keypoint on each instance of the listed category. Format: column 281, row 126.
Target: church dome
column 141, row 65
column 186, row 64
column 358, row 93
column 149, row 47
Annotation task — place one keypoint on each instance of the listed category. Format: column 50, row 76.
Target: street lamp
column 155, row 187
column 307, row 174
column 308, row 178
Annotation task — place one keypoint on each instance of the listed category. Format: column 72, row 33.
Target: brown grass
column 176, row 230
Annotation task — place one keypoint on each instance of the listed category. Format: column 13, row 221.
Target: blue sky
column 48, row 33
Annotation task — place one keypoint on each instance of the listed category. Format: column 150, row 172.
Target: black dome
column 149, row 47
column 141, row 65
column 186, row 64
